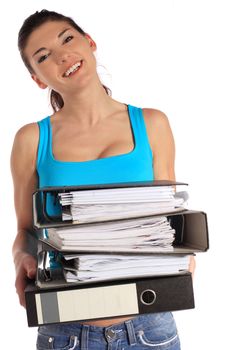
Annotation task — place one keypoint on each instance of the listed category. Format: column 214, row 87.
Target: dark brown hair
column 29, row 25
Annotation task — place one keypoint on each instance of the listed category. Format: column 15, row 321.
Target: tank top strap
column 139, row 130
column 44, row 140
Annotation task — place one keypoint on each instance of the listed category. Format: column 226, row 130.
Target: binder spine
column 81, row 303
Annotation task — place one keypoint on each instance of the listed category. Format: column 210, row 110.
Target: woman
column 89, row 139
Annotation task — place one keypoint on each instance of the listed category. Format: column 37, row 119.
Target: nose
column 61, row 56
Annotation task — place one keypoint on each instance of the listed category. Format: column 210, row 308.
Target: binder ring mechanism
column 148, row 297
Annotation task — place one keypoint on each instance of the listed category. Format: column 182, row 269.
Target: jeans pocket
column 57, row 342
column 150, row 339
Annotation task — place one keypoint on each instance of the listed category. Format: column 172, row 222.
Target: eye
column 67, row 39
column 42, row 58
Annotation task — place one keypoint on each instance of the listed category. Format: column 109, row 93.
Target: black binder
column 107, row 300
column 41, row 217
column 191, row 235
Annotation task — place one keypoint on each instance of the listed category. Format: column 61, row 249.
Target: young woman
column 89, row 139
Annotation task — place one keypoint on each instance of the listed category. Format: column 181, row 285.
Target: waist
column 106, row 323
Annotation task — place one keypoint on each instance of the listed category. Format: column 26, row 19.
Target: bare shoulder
column 26, row 143
column 28, row 132
column 157, row 124
column 27, row 136
column 154, row 118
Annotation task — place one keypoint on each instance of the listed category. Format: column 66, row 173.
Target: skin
column 91, row 124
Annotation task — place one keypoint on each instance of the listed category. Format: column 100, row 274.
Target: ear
column 92, row 43
column 38, row 82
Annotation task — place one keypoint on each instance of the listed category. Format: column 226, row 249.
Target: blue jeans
column 157, row 331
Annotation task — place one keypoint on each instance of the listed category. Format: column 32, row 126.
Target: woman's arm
column 163, row 149
column 23, row 168
column 162, row 144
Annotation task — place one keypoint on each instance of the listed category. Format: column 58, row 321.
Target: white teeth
column 72, row 69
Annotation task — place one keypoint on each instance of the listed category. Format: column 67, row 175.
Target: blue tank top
column 136, row 165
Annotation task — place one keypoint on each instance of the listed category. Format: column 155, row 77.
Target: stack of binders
column 113, row 250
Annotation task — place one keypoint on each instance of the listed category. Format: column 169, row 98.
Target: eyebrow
column 44, row 48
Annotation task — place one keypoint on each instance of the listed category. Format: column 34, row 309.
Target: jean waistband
column 110, row 334
column 125, row 330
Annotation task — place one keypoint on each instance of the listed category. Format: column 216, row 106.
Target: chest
column 109, row 138
column 112, row 152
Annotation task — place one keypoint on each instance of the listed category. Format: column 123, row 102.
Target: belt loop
column 131, row 332
column 84, row 337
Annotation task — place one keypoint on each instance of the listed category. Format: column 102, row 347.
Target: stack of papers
column 118, row 233
column 148, row 234
column 118, row 203
column 90, row 268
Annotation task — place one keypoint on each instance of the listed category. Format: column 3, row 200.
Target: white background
column 171, row 55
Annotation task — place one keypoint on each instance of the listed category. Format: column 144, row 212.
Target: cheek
column 46, row 73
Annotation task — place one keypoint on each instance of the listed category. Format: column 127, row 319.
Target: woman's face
column 61, row 57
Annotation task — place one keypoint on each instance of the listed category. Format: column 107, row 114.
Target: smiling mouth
column 75, row 67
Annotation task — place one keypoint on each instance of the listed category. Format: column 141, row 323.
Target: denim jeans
column 157, row 331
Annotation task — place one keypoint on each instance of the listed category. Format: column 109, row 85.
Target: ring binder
column 191, row 235
column 111, row 299
column 45, row 220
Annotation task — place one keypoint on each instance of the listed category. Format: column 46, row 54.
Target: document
column 119, row 203
column 104, row 267
column 148, row 234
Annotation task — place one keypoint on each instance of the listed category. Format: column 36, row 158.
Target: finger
column 31, row 272
column 30, row 266
column 20, row 285
column 22, row 299
column 192, row 265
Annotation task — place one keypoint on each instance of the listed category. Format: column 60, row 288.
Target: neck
column 87, row 106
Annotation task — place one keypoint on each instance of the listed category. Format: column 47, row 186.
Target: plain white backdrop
column 173, row 55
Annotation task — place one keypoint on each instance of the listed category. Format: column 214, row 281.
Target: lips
column 72, row 69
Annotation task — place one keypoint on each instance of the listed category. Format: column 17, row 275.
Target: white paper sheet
column 103, row 267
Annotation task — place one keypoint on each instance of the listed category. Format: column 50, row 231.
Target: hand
column 25, row 266
column 192, row 265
